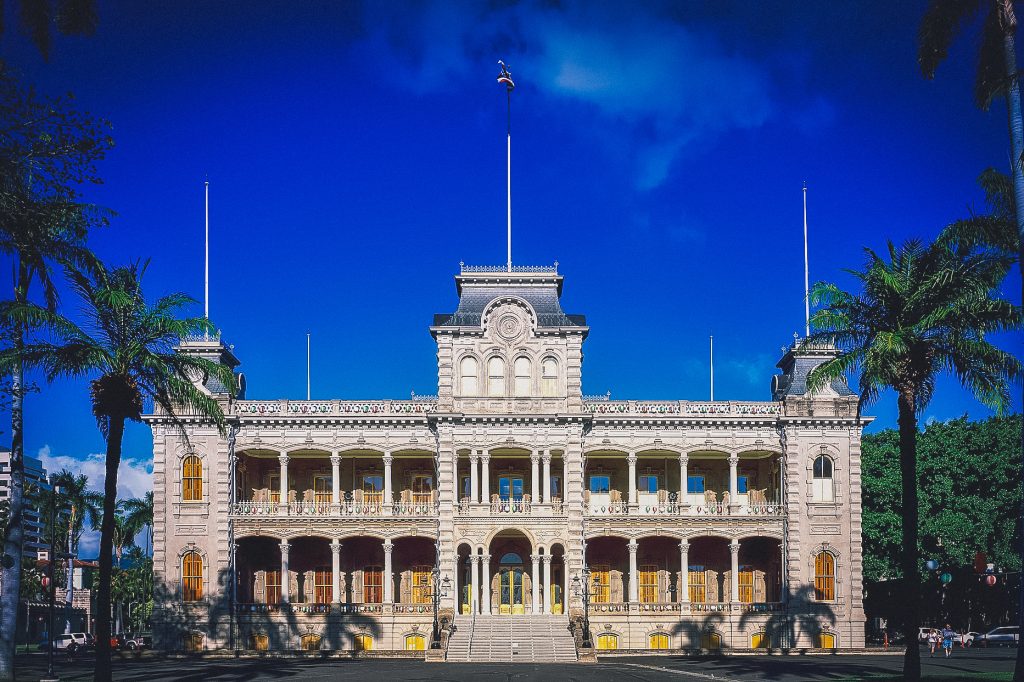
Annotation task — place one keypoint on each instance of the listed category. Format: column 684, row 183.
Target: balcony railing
column 680, row 407
column 512, row 506
column 768, row 509
column 348, row 508
column 334, row 408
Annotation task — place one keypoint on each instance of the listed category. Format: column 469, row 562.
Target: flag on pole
column 506, row 77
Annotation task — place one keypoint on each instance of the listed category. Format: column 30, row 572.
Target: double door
column 510, row 591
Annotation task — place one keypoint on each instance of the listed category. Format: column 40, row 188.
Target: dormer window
column 496, row 377
column 522, row 369
column 468, row 376
column 549, row 377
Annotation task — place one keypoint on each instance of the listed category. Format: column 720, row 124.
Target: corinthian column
column 286, row 578
column 634, row 588
column 335, row 571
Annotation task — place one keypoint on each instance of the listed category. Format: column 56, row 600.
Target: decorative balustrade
column 468, row 269
column 513, row 506
column 609, row 509
column 678, row 509
column 328, row 509
column 244, row 608
column 683, row 408
column 334, row 408
column 254, row 508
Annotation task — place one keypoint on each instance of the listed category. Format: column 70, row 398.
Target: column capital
column 684, row 458
column 734, row 460
column 474, row 457
column 387, row 459
column 388, row 546
column 335, row 460
column 474, row 558
column 485, row 458
column 631, row 459
column 734, row 546
column 535, row 558
column 283, row 459
column 485, row 557
column 684, row 546
column 632, row 546
column 285, row 547
column 545, row 455
column 535, row 457
column 546, row 558
column 336, row 546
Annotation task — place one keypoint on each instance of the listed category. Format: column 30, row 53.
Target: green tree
column 39, row 19
column 923, row 311
column 139, row 511
column 129, row 344
column 47, row 151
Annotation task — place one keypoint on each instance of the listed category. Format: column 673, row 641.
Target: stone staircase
column 503, row 639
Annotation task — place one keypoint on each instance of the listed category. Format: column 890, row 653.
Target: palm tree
column 139, row 511
column 129, row 344
column 80, row 504
column 46, row 149
column 924, row 311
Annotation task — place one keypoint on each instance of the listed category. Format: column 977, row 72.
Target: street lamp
column 440, row 589
column 582, row 590
column 53, row 585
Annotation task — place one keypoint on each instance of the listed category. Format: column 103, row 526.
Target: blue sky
column 356, row 154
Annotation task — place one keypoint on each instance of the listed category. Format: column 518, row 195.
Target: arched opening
column 468, row 377
column 607, row 559
column 310, row 642
column 464, row 579
column 192, row 479
column 559, row 580
column 509, row 575
column 823, row 488
column 415, row 642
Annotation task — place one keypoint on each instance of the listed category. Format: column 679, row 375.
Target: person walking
column 933, row 641
column 947, row 640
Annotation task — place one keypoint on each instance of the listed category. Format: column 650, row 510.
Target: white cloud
column 134, row 479
column 656, row 85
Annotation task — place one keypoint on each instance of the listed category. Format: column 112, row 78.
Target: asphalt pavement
column 776, row 668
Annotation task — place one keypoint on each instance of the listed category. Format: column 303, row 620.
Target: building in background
column 35, row 479
column 317, row 524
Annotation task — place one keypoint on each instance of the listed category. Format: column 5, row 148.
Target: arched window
column 824, row 487
column 523, row 377
column 310, row 642
column 495, row 377
column 608, row 642
column 468, row 376
column 826, row 640
column 415, row 642
column 759, row 640
column 259, row 641
column 192, row 479
column 549, row 377
column 824, row 576
column 364, row 642
column 658, row 640
column 192, row 576
column 711, row 641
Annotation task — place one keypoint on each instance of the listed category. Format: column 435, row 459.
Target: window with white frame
column 824, row 481
column 522, row 370
column 495, row 377
column 468, row 376
column 549, row 377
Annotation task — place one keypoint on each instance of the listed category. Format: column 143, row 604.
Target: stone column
column 783, row 576
column 733, row 463
column 485, row 479
column 547, row 583
column 335, row 571
column 684, row 572
column 535, row 478
column 286, row 579
column 684, row 475
column 388, row 459
column 535, row 588
column 336, row 482
column 474, row 587
column 389, row 582
column 734, row 582
column 283, row 492
column 474, row 482
column 485, row 584
column 782, row 482
column 631, row 461
column 546, row 481
column 634, row 585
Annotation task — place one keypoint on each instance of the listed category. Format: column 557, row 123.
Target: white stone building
column 316, row 524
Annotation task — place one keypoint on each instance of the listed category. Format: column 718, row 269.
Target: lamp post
column 440, row 589
column 581, row 589
column 52, row 584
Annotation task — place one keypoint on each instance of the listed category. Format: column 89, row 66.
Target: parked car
column 61, row 642
column 1008, row 635
column 969, row 637
column 922, row 634
column 133, row 641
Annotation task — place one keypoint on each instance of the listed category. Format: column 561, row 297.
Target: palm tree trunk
column 103, row 670
column 1009, row 22
column 908, row 559
column 69, row 598
column 10, row 568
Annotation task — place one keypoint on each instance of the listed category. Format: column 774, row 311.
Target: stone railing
column 677, row 509
column 348, row 508
column 540, row 269
column 243, row 608
column 505, row 507
column 683, row 408
column 333, row 408
column 511, row 507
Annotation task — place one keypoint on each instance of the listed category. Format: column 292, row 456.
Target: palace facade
column 683, row 524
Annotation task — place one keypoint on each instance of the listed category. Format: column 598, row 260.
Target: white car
column 63, row 641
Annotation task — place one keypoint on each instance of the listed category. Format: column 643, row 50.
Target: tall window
column 495, row 377
column 658, row 640
column 600, row 483
column 273, row 592
column 742, row 484
column 275, row 488
column 824, row 487
column 826, row 640
column 759, row 640
column 422, row 488
column 648, row 584
column 323, row 586
column 697, row 583
column 310, row 642
column 322, row 489
column 695, row 484
column 648, row 483
column 600, row 585
column 415, row 642
column 364, row 642
column 746, row 581
column 522, row 368
column 421, row 579
column 549, row 377
column 373, row 488
column 192, row 576
column 468, row 376
column 373, row 585
column 608, row 642
column 824, row 576
column 192, row 479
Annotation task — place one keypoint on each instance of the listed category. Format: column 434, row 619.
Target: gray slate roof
column 795, row 373
column 475, row 300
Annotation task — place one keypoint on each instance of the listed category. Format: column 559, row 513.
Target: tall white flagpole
column 206, row 264
column 807, row 287
column 712, row 367
column 505, row 78
column 307, row 365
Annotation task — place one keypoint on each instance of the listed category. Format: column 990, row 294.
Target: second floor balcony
column 355, row 503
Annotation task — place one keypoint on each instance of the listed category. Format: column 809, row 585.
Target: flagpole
column 712, row 338
column 206, row 264
column 508, row 175
column 807, row 288
column 307, row 365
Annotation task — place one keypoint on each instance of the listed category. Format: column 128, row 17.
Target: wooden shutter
column 405, row 587
column 616, row 596
column 259, row 589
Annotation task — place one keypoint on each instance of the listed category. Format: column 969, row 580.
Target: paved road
column 652, row 669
